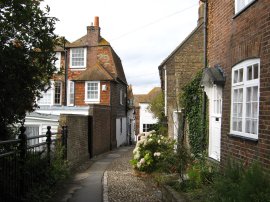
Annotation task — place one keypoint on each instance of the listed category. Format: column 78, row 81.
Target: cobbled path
column 124, row 185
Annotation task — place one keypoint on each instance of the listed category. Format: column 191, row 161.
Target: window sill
column 213, row 161
column 77, row 68
column 243, row 9
column 242, row 137
column 91, row 102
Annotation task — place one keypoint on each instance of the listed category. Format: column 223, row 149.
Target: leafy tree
column 156, row 106
column 26, row 57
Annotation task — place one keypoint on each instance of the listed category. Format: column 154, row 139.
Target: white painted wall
column 146, row 117
column 121, row 136
column 42, row 124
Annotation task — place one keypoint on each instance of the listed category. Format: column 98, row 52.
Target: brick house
column 238, row 46
column 90, row 76
column 145, row 120
column 177, row 70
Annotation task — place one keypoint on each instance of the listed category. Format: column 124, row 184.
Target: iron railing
column 23, row 165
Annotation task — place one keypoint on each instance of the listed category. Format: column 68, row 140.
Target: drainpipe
column 66, row 73
column 205, row 66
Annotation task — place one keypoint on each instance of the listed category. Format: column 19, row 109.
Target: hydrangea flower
column 157, row 154
column 142, row 161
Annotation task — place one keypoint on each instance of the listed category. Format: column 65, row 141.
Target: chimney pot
column 96, row 21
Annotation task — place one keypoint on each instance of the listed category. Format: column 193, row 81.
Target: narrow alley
column 119, row 183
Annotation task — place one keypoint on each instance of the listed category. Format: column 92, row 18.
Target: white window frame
column 54, row 91
column 88, row 100
column 84, row 61
column 51, row 93
column 70, row 93
column 246, row 3
column 57, row 63
column 244, row 84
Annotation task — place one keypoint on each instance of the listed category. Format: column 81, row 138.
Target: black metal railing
column 24, row 165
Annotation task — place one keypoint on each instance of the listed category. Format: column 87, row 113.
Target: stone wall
column 181, row 67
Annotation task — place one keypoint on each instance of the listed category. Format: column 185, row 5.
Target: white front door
column 215, row 107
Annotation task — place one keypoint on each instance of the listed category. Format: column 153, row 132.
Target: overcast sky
column 142, row 32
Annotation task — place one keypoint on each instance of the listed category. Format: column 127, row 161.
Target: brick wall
column 77, row 142
column 181, row 67
column 101, row 130
column 79, row 93
column 105, row 95
column 231, row 40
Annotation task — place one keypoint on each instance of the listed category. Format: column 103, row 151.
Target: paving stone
column 124, row 185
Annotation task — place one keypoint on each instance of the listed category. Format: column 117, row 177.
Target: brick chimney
column 93, row 32
column 200, row 12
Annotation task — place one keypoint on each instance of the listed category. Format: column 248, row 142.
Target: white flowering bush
column 151, row 151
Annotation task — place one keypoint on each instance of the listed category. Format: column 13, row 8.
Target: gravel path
column 124, row 185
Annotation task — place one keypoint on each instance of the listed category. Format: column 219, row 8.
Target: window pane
column 255, row 93
column 255, row 71
column 248, row 110
column 240, row 95
column 239, row 108
column 235, row 95
column 248, row 94
column 234, row 124
column 235, row 77
column 247, row 125
column 239, row 124
column 57, row 93
column 254, row 126
column 240, row 75
column 71, row 93
column 235, row 110
column 249, row 73
column 255, row 110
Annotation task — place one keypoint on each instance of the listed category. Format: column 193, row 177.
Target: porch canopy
column 213, row 75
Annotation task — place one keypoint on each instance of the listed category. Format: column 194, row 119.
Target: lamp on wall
column 104, row 87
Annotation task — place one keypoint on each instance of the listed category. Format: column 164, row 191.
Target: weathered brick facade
column 77, row 142
column 231, row 40
column 178, row 69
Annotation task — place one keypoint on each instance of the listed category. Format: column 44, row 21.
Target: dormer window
column 78, row 58
column 241, row 4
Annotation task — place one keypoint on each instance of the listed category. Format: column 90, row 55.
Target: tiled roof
column 146, row 98
column 82, row 42
column 94, row 73
column 118, row 67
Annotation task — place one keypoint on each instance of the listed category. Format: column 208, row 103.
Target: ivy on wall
column 192, row 101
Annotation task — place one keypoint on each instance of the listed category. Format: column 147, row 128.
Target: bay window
column 245, row 99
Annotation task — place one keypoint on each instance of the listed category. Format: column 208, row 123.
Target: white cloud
column 142, row 32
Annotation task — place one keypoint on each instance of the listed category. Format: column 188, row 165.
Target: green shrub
column 241, row 184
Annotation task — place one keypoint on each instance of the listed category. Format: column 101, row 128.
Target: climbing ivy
column 192, row 101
